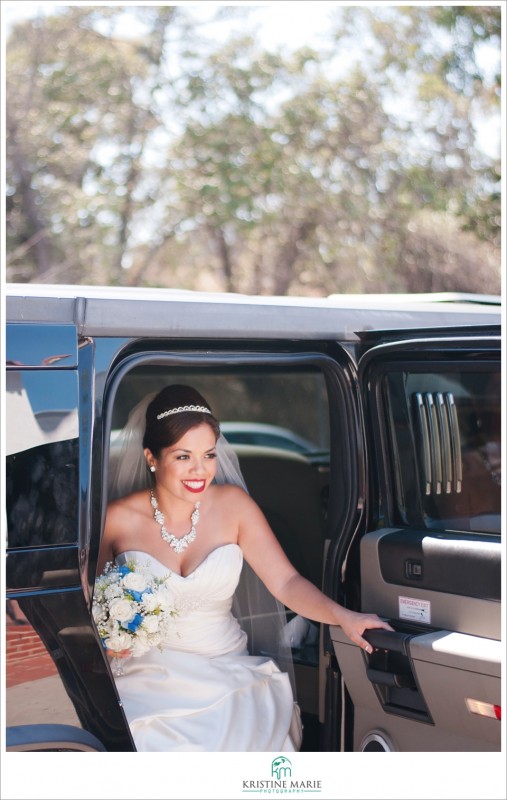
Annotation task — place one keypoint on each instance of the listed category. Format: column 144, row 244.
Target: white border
column 154, row 776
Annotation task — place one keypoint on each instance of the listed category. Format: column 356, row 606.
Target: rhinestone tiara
column 183, row 408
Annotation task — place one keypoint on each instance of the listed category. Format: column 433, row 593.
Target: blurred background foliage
column 143, row 150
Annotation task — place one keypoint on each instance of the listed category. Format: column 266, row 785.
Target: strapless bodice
column 203, row 599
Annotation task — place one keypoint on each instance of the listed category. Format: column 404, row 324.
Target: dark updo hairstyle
column 165, row 432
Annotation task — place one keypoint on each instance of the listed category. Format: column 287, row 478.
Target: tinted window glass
column 294, row 401
column 42, row 448
column 446, row 446
column 42, row 495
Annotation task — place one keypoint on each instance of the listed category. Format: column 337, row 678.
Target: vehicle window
column 266, row 436
column 283, row 409
column 446, row 447
column 42, row 458
column 42, row 495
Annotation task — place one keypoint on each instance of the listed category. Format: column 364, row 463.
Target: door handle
column 391, row 667
column 399, row 680
column 395, row 641
column 390, row 672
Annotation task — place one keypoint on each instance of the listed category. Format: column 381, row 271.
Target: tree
column 438, row 52
column 165, row 158
column 79, row 119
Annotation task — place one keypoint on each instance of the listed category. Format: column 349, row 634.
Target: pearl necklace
column 180, row 544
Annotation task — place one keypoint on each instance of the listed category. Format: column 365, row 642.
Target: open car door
column 430, row 558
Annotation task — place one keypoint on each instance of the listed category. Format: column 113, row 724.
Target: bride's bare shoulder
column 229, row 490
column 233, row 495
column 135, row 503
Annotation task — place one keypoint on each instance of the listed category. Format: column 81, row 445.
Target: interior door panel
column 440, row 687
column 448, row 565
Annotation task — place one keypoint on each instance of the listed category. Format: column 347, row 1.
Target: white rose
column 140, row 649
column 150, row 601
column 112, row 591
column 135, row 581
column 118, row 641
column 165, row 598
column 140, row 644
column 122, row 610
column 110, row 626
column 151, row 623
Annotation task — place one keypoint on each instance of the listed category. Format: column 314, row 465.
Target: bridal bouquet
column 132, row 609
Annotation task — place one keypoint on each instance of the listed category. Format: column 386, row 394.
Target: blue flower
column 133, row 624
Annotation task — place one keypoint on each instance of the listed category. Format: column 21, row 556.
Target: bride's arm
column 106, row 548
column 106, row 554
column 263, row 552
column 115, row 522
column 123, row 519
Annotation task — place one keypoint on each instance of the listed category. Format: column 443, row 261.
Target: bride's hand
column 354, row 624
column 118, row 653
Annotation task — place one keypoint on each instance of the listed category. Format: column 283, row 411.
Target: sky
column 277, row 25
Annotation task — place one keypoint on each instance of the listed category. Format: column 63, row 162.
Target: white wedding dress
column 203, row 691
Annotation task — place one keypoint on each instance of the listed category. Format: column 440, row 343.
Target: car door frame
column 443, row 345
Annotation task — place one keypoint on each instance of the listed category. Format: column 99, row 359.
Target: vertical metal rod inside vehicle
column 435, row 446
column 445, row 442
column 455, row 440
column 425, row 441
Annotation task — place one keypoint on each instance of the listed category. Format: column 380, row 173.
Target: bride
column 204, row 691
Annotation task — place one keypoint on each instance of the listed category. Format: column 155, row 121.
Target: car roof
column 128, row 311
